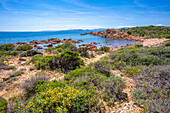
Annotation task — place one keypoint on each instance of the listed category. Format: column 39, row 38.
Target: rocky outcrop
column 89, row 46
column 115, row 35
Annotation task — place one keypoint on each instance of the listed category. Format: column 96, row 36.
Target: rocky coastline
column 115, row 34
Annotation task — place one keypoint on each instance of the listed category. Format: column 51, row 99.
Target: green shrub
column 69, row 60
column 104, row 48
column 139, row 97
column 8, row 53
column 83, row 52
column 152, row 88
column 11, row 67
column 58, row 99
column 45, row 62
column 158, row 106
column 3, row 105
column 35, row 58
column 30, row 53
column 138, row 45
column 149, row 31
column 167, row 36
column 6, row 47
column 1, row 60
column 61, row 48
column 100, row 52
column 104, row 66
column 17, row 73
column 98, row 85
column 66, row 61
column 167, row 44
column 31, row 85
column 132, row 70
column 141, row 56
column 24, row 47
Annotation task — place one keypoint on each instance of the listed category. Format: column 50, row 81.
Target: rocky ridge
column 115, row 34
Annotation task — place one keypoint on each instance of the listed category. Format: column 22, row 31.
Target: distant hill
column 149, row 31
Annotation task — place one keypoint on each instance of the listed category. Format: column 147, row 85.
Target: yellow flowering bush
column 58, row 100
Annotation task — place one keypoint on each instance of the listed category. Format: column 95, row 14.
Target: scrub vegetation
column 90, row 88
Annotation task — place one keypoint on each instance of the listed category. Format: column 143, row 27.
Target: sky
column 35, row 15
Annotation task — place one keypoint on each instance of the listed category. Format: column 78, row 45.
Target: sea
column 13, row 37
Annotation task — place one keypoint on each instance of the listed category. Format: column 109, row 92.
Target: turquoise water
column 11, row 37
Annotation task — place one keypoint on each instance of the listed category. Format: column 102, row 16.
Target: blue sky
column 81, row 14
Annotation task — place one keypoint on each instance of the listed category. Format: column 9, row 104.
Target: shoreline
column 115, row 34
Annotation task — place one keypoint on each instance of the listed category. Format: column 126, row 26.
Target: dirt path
column 97, row 58
column 128, row 106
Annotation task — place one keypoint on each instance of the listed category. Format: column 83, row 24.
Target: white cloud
column 125, row 26
column 82, row 27
column 159, row 25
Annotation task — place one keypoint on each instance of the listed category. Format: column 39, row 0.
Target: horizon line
column 48, row 30
column 118, row 27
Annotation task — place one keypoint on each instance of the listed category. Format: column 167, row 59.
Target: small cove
column 13, row 37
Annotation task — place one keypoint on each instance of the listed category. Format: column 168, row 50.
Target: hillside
column 149, row 31
column 68, row 79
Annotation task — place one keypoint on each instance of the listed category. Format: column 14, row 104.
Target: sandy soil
column 153, row 42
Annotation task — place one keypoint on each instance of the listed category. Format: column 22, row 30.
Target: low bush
column 132, row 70
column 46, row 62
column 30, row 53
column 61, row 98
column 83, row 52
column 6, row 67
column 66, row 61
column 61, row 48
column 157, row 77
column 30, row 85
column 69, row 60
column 24, row 47
column 98, row 85
column 104, row 48
column 104, row 66
column 133, row 56
column 138, row 45
column 167, row 44
column 3, row 105
column 158, row 106
column 35, row 58
column 11, row 68
column 14, row 74
column 8, row 53
column 139, row 97
column 92, row 55
column 6, row 47
column 99, row 52
column 152, row 86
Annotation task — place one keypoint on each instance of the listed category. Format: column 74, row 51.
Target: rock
column 21, row 69
column 80, row 40
column 50, row 45
column 32, row 68
column 39, row 47
column 23, row 63
column 22, row 59
column 5, row 78
column 115, row 35
column 3, row 66
column 20, row 43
